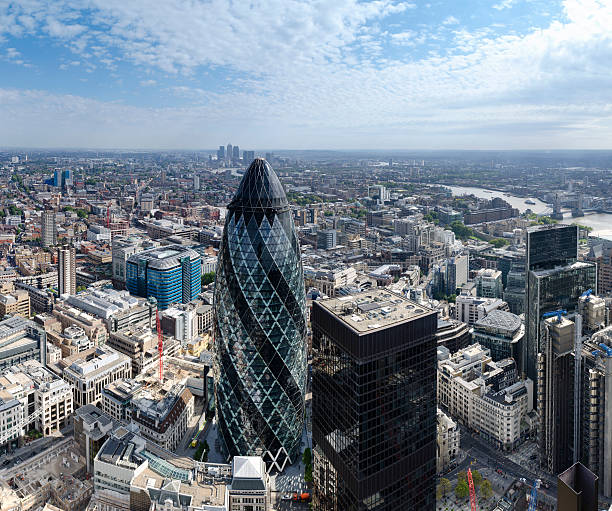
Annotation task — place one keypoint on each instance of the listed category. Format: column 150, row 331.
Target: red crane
column 472, row 491
column 108, row 216
column 160, row 346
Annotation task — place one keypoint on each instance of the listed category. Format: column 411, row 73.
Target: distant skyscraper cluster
column 231, row 154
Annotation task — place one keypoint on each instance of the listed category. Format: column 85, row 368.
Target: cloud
column 317, row 74
column 504, row 4
column 450, row 20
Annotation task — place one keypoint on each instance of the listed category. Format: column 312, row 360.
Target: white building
column 89, row 371
column 97, row 233
column 470, row 309
column 484, row 395
column 248, row 490
column 209, row 264
column 123, row 248
column 489, row 283
column 448, row 437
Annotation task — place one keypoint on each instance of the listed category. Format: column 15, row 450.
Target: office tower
column 596, row 408
column 577, row 489
column 170, row 274
column 48, row 234
column 554, row 280
column 236, row 153
column 221, row 153
column 456, row 275
column 489, row 283
column 327, row 239
column 248, row 156
column 67, row 178
column 374, row 403
column 57, row 178
column 260, row 324
column 196, row 182
column 229, row 153
column 555, row 393
column 66, row 271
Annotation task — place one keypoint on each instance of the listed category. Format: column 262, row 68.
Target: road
column 486, row 459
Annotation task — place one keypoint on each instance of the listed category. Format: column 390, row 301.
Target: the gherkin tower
column 260, row 324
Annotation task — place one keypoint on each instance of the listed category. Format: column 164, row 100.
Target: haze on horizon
column 333, row 74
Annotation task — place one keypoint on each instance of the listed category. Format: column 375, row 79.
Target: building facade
column 170, row 274
column 260, row 324
column 66, row 271
column 374, row 405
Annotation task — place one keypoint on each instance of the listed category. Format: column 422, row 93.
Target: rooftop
column 373, row 309
column 500, row 320
column 164, row 258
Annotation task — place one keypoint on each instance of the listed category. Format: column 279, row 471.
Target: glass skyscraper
column 555, row 279
column 260, row 324
column 373, row 403
column 171, row 274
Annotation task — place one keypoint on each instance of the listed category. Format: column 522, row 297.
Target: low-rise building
column 69, row 316
column 470, row 309
column 484, row 395
column 489, row 283
column 448, row 437
column 89, row 371
column 249, row 489
column 21, row 340
column 17, row 303
column 46, row 398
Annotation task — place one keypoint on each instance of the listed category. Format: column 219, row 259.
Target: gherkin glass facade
column 260, row 324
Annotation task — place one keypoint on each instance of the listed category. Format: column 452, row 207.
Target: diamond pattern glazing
column 260, row 324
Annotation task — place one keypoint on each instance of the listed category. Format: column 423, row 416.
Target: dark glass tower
column 373, row 403
column 260, row 324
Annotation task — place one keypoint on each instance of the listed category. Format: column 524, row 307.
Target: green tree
column 486, row 490
column 499, row 242
column 438, row 492
column 308, row 474
column 81, row 288
column 208, row 278
column 81, row 213
column 307, row 456
column 462, row 476
column 462, row 490
column 445, row 486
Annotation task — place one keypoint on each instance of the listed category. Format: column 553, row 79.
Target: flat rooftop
column 373, row 309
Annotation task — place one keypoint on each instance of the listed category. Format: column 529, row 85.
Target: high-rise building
column 260, row 324
column 555, row 394
column 595, row 413
column 196, row 182
column 48, row 234
column 221, row 153
column 170, row 274
column 373, row 403
column 229, row 153
column 555, row 279
column 66, row 271
column 236, row 153
column 248, row 156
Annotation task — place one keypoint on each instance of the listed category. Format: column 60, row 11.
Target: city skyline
column 347, row 75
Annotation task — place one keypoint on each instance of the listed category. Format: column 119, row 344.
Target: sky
column 306, row 74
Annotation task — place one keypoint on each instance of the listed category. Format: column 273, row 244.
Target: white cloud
column 450, row 20
column 504, row 4
column 316, row 75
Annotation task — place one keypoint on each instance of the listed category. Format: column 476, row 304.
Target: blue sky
column 297, row 74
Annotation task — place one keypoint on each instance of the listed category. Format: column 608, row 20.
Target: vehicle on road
column 287, row 496
column 301, row 497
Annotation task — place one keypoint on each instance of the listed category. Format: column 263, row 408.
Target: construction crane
column 557, row 313
column 160, row 346
column 533, row 499
column 473, row 505
column 108, row 216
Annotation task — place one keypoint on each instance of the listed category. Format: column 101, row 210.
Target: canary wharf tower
column 260, row 324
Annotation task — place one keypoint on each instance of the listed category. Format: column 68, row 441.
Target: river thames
column 600, row 222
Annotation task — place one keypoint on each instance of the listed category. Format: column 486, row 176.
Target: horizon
column 342, row 75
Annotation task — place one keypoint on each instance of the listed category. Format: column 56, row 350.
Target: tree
column 208, row 278
column 307, row 456
column 499, row 242
column 462, row 490
column 438, row 492
column 81, row 288
column 486, row 490
column 445, row 486
column 308, row 474
column 462, row 476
